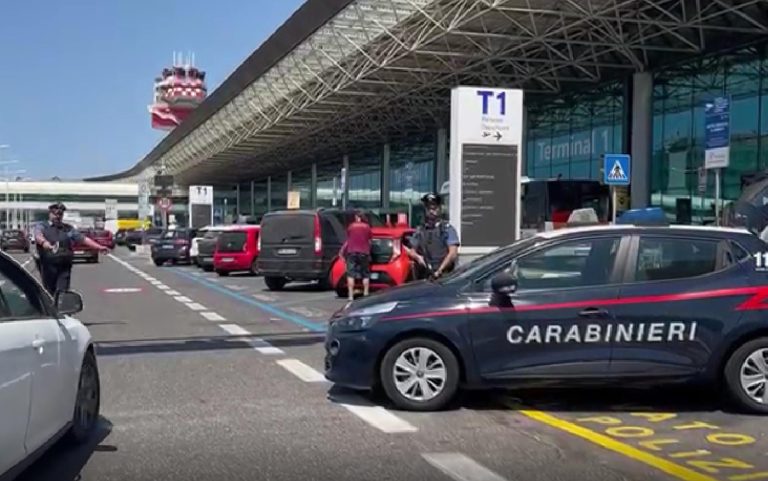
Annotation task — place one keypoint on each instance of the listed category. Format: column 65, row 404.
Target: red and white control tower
column 177, row 93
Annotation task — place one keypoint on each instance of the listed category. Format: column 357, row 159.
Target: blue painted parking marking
column 288, row 316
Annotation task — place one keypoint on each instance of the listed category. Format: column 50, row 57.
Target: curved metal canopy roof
column 341, row 74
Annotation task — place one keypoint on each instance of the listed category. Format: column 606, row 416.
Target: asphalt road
column 209, row 378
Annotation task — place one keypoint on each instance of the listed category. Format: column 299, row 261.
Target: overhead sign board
column 200, row 205
column 486, row 134
column 110, row 209
column 616, row 169
column 201, row 194
column 717, row 133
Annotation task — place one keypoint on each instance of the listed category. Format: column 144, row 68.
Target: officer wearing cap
column 435, row 244
column 55, row 248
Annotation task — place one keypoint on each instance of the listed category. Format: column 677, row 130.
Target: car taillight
column 245, row 246
column 318, row 238
column 258, row 244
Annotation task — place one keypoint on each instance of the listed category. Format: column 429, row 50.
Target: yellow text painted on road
column 674, row 469
column 653, row 441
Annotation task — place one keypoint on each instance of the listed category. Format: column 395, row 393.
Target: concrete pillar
column 641, row 140
column 253, row 197
column 523, row 151
column 345, row 181
column 289, row 177
column 237, row 199
column 269, row 193
column 441, row 158
column 313, row 187
column 385, row 186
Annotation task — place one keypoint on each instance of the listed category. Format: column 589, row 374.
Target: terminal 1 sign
column 485, row 166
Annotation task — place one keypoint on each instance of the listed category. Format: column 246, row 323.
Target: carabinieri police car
column 623, row 304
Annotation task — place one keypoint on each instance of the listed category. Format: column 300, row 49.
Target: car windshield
column 476, row 266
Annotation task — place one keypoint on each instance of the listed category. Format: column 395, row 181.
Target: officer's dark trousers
column 55, row 277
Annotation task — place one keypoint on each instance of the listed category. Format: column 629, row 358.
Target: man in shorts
column 356, row 251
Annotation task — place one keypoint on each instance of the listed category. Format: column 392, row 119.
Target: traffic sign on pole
column 616, row 169
column 164, row 204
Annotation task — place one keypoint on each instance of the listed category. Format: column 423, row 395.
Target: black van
column 301, row 245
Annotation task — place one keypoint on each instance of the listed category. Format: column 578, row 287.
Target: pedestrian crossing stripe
column 617, row 172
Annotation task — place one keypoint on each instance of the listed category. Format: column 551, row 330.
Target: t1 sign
column 490, row 94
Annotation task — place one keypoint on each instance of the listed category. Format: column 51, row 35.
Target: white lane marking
column 163, row 287
column 24, row 264
column 155, row 283
column 123, row 289
column 173, row 293
column 263, row 297
column 259, row 345
column 460, row 467
column 301, row 370
column 183, row 299
column 212, row 316
column 195, row 306
column 378, row 417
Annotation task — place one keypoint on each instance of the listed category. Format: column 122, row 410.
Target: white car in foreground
column 49, row 378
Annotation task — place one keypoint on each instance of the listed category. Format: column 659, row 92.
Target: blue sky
column 76, row 77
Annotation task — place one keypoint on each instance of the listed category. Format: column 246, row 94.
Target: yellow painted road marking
column 674, row 469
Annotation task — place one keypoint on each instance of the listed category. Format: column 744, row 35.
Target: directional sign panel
column 486, row 135
column 616, row 169
column 717, row 133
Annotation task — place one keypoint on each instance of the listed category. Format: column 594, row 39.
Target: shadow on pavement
column 562, row 400
column 65, row 463
column 197, row 344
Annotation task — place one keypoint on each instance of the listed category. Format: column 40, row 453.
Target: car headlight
column 358, row 319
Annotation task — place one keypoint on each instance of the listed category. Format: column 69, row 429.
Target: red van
column 237, row 250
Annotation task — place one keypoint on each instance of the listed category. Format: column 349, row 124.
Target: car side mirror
column 68, row 303
column 505, row 283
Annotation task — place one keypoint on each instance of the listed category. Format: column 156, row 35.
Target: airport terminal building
column 361, row 89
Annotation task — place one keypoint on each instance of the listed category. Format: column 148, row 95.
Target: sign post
column 343, row 188
column 485, row 168
column 616, row 171
column 164, row 204
column 717, row 140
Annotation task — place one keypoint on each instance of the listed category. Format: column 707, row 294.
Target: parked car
column 237, row 250
column 151, row 236
column 84, row 252
column 206, row 246
column 14, row 239
column 120, row 236
column 390, row 265
column 49, row 376
column 173, row 245
column 103, row 237
column 302, row 245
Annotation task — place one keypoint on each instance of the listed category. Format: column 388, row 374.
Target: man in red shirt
column 356, row 251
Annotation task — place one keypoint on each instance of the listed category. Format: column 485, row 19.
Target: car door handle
column 593, row 312
column 38, row 344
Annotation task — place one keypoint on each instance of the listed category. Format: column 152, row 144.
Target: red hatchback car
column 237, row 250
column 390, row 265
column 103, row 237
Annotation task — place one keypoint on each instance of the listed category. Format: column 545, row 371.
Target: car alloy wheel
column 419, row 374
column 754, row 376
column 87, row 402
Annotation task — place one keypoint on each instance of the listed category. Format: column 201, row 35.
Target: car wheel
column 420, row 374
column 222, row 273
column 275, row 283
column 746, row 376
column 158, row 262
column 87, row 403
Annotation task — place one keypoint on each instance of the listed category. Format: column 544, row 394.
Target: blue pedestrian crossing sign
column 616, row 169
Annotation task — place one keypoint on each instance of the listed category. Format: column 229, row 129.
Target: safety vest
column 433, row 245
column 60, row 238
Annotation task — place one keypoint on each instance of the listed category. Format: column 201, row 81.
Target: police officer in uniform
column 435, row 244
column 55, row 247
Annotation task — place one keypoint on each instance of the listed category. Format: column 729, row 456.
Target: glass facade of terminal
column 566, row 136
